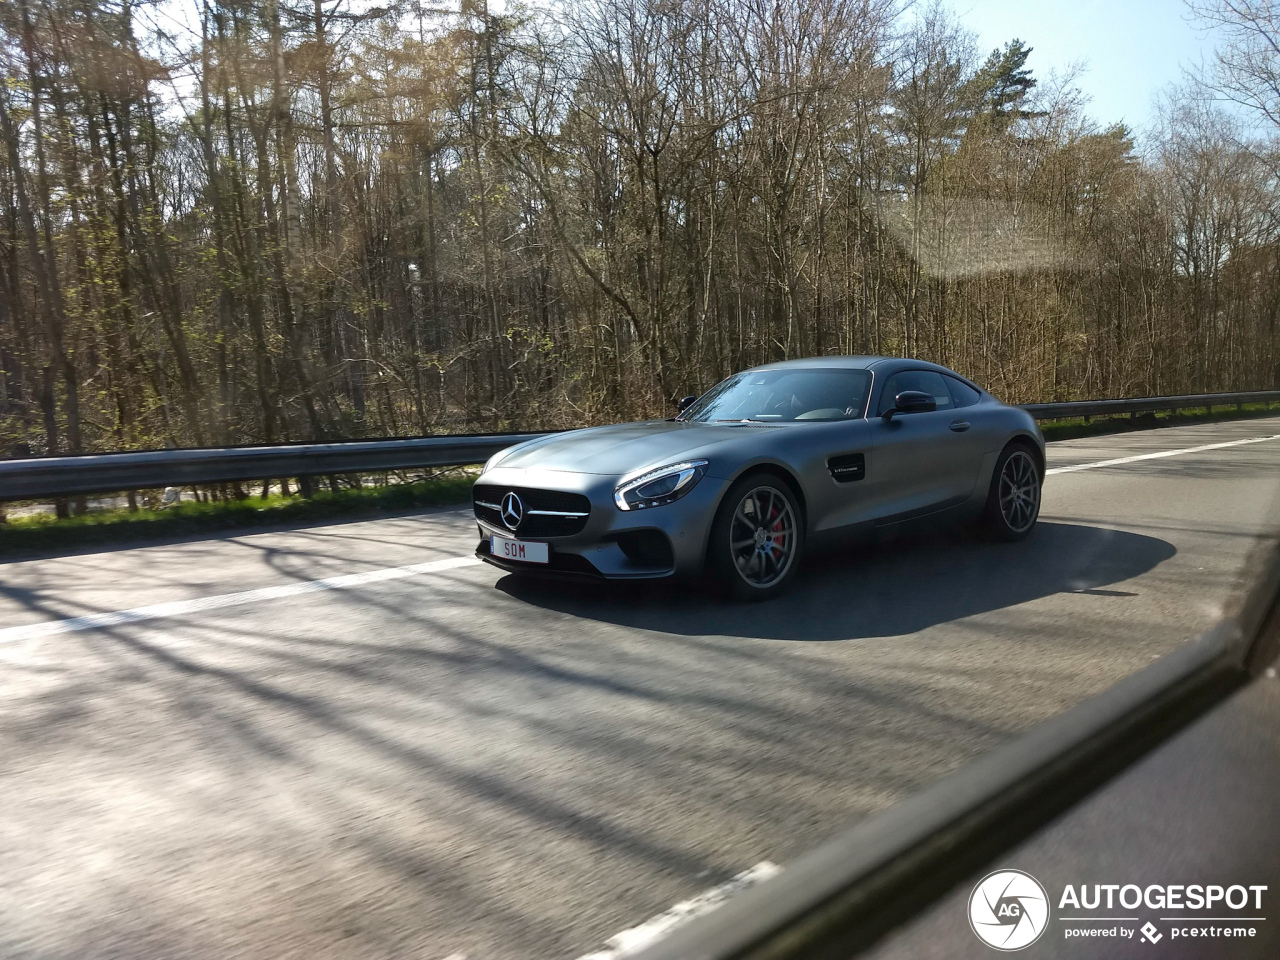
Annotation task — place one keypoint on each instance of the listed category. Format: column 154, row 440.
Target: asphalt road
column 449, row 763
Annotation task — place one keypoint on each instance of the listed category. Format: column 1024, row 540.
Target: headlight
column 661, row 486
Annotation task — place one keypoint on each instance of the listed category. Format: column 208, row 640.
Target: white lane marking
column 630, row 941
column 1157, row 456
column 178, row 608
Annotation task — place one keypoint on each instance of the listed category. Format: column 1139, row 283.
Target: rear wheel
column 757, row 538
column 1013, row 504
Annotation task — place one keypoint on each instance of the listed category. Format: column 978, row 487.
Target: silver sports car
column 764, row 465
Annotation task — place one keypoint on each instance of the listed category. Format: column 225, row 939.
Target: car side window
column 926, row 381
column 962, row 395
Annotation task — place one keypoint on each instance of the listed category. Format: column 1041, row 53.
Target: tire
column 1013, row 502
column 750, row 559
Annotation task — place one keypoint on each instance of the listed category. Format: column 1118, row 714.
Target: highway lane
column 455, row 763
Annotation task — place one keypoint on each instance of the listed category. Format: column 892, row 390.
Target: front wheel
column 757, row 538
column 1013, row 504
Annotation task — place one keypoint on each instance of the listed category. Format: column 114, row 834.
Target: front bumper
column 613, row 544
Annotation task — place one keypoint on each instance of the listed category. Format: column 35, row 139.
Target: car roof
column 879, row 364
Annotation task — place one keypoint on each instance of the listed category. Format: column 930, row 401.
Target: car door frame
column 908, row 480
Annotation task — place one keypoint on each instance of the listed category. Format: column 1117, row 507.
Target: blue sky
column 1132, row 49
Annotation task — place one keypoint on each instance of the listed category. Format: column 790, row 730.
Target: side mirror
column 911, row 401
column 684, row 403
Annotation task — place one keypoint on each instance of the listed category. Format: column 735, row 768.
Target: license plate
column 522, row 550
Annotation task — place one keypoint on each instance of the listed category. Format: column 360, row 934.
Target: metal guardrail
column 1111, row 408
column 107, row 472
column 45, row 477
column 842, row 897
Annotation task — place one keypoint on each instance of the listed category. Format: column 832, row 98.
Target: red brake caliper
column 778, row 539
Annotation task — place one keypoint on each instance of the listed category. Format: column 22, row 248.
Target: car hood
column 621, row 449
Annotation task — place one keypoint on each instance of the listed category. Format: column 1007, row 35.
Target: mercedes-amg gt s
column 762, row 464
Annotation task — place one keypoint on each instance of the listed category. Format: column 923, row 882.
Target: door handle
column 959, row 426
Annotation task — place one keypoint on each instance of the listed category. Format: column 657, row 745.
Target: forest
column 256, row 221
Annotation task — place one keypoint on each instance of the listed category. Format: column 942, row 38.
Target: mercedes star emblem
column 512, row 511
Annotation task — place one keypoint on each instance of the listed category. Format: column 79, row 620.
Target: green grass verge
column 1099, row 426
column 44, row 533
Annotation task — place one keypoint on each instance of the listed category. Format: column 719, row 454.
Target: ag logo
column 1008, row 910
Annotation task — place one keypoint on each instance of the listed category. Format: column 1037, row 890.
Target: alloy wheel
column 1019, row 491
column 762, row 537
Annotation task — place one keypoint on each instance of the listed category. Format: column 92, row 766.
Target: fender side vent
column 847, row 467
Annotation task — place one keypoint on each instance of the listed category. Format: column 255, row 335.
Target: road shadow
column 874, row 590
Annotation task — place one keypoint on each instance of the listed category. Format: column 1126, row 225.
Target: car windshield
column 784, row 395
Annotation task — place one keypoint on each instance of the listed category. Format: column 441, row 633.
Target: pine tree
column 1000, row 86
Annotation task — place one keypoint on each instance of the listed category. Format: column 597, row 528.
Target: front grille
column 547, row 513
